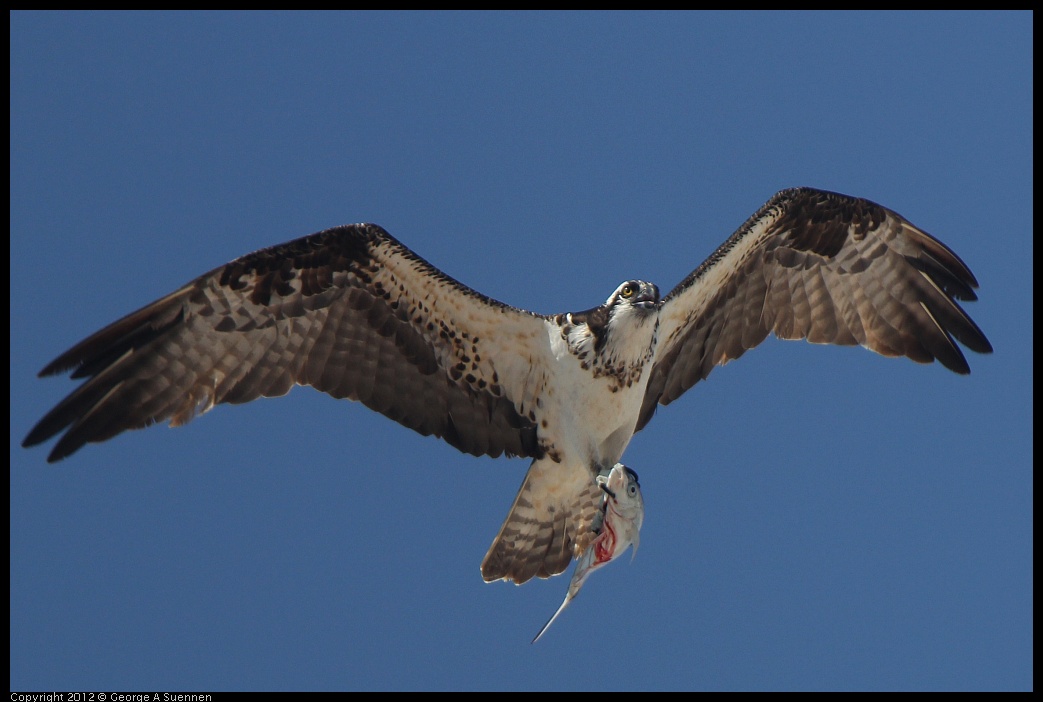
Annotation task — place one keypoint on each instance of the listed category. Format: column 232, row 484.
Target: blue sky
column 817, row 518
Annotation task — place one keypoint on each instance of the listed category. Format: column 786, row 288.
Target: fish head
column 623, row 495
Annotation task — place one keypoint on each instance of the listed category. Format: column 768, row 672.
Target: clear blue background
column 817, row 518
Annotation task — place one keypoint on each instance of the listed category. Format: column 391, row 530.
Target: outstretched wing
column 820, row 266
column 349, row 311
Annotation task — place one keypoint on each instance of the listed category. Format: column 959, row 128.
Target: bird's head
column 619, row 334
column 637, row 294
column 633, row 303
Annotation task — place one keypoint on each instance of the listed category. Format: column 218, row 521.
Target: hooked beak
column 648, row 299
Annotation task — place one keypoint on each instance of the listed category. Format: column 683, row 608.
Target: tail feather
column 550, row 523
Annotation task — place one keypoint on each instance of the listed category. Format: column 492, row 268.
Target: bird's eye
column 628, row 290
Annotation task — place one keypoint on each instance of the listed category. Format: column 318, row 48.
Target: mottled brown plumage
column 328, row 311
column 824, row 267
column 354, row 313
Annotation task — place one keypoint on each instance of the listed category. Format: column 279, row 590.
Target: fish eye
column 632, row 490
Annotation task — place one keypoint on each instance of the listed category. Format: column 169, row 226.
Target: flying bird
column 618, row 527
column 356, row 314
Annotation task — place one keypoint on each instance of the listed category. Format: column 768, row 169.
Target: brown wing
column 820, row 266
column 350, row 311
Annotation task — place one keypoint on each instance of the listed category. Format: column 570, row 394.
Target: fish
column 622, row 513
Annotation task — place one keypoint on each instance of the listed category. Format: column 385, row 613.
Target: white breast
column 590, row 414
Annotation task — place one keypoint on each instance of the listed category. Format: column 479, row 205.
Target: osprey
column 356, row 314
